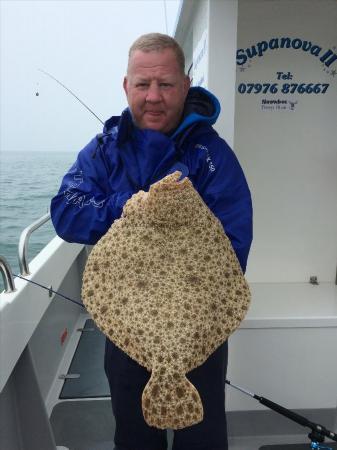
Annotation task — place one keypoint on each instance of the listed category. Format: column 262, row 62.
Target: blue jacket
column 124, row 159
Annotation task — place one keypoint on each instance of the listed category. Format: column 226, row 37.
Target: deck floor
column 89, row 425
column 82, row 418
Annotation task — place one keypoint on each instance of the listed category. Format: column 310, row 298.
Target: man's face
column 156, row 89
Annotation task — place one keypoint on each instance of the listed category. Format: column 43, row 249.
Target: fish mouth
column 172, row 182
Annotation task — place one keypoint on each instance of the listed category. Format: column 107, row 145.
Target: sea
column 28, row 181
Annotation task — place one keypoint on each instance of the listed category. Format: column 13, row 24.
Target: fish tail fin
column 171, row 401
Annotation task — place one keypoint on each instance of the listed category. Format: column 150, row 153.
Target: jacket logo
column 75, row 197
column 211, row 166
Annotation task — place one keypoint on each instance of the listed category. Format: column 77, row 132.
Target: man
column 167, row 127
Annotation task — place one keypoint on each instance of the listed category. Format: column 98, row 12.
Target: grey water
column 28, row 181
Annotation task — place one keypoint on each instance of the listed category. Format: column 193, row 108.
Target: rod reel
column 318, row 432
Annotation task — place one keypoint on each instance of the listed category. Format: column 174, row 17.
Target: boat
column 272, row 63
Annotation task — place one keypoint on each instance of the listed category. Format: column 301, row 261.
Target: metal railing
column 24, row 241
column 7, row 275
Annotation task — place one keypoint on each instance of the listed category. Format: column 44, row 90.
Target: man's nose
column 153, row 93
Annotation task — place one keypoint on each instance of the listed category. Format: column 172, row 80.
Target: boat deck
column 89, row 425
column 81, row 416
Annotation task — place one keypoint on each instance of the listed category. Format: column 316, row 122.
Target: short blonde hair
column 156, row 42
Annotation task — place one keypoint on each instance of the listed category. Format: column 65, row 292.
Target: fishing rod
column 318, row 432
column 71, row 92
column 49, row 289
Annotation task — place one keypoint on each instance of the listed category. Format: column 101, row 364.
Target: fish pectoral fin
column 171, row 402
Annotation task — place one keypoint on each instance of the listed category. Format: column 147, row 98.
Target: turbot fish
column 164, row 284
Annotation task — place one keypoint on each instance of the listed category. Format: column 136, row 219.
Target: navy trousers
column 127, row 380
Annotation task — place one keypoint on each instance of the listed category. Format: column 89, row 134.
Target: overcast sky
column 84, row 44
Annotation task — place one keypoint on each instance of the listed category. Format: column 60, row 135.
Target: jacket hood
column 200, row 106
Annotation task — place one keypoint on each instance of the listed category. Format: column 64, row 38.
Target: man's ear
column 187, row 84
column 125, row 85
